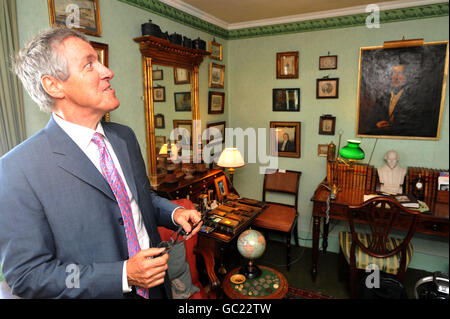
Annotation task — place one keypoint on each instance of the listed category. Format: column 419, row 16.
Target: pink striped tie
column 114, row 180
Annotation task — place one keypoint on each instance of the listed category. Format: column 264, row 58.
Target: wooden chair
column 280, row 217
column 391, row 255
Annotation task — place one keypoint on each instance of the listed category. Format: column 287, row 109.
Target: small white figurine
column 391, row 175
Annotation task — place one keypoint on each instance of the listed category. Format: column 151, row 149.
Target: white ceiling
column 236, row 14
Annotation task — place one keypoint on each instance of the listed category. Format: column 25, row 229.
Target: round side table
column 270, row 285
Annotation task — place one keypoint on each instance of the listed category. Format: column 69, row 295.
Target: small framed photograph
column 216, row 75
column 157, row 75
column 327, row 88
column 218, row 134
column 221, row 187
column 159, row 94
column 287, row 65
column 159, row 121
column 182, row 101
column 327, row 124
column 181, row 76
column 184, row 132
column 328, row 62
column 286, row 100
column 216, row 102
column 84, row 16
column 216, row 50
column 322, row 150
column 285, row 139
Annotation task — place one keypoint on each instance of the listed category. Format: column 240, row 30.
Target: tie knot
column 98, row 139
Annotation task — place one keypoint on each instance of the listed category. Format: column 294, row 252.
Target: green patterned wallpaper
column 395, row 15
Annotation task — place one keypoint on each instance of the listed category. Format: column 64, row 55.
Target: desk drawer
column 433, row 228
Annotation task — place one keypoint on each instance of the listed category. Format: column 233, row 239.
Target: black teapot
column 176, row 38
column 187, row 43
column 199, row 44
column 150, row 28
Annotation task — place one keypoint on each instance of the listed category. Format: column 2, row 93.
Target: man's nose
column 105, row 72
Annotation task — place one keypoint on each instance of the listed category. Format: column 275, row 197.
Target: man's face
column 88, row 84
column 391, row 160
column 398, row 75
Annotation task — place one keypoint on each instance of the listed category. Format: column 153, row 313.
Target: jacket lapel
column 71, row 158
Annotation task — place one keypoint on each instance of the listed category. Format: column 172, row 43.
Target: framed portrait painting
column 327, row 88
column 285, row 139
column 286, row 100
column 287, row 65
column 82, row 15
column 159, row 94
column 159, row 121
column 401, row 91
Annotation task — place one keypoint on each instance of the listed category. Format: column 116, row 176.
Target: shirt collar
column 81, row 135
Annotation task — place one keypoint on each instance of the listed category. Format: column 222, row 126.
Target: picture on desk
column 221, row 187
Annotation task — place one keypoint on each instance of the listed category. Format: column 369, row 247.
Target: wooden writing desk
column 434, row 223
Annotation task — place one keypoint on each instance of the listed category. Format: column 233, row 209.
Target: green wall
column 249, row 80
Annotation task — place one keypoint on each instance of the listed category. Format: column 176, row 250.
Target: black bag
column 390, row 288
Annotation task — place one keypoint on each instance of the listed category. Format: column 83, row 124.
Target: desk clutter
column 232, row 216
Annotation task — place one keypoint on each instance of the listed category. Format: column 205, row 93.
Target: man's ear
column 52, row 86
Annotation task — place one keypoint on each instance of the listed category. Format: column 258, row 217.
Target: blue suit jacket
column 57, row 211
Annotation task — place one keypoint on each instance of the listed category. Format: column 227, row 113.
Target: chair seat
column 388, row 265
column 276, row 217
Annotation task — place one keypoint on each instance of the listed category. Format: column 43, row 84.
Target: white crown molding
column 180, row 5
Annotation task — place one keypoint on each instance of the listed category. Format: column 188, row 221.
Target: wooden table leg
column 325, row 235
column 315, row 246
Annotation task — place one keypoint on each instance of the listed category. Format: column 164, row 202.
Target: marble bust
column 391, row 175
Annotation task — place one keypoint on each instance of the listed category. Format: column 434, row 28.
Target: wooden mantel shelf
column 164, row 52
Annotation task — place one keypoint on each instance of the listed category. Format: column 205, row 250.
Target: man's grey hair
column 40, row 57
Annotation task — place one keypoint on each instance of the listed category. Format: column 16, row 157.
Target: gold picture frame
column 82, row 15
column 417, row 75
column 216, row 50
column 221, row 187
column 287, row 65
column 216, row 75
column 289, row 131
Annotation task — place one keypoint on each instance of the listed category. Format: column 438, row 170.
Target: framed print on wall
column 159, row 94
column 216, row 102
column 322, row 150
column 328, row 62
column 82, row 15
column 286, row 100
column 285, row 139
column 157, row 75
column 327, row 124
column 217, row 125
column 216, row 50
column 401, row 91
column 181, row 76
column 182, row 101
column 287, row 65
column 159, row 121
column 216, row 75
column 327, row 88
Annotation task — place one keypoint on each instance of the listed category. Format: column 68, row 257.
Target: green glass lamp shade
column 352, row 151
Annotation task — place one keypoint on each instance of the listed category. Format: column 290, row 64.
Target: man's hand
column 383, row 124
column 187, row 218
column 146, row 272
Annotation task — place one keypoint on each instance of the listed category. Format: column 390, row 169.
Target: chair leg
column 296, row 232
column 353, row 282
column 288, row 252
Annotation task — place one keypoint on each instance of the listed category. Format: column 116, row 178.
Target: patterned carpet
column 295, row 293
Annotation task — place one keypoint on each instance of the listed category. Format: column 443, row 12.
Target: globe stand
column 250, row 270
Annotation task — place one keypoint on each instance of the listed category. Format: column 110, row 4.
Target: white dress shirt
column 82, row 136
